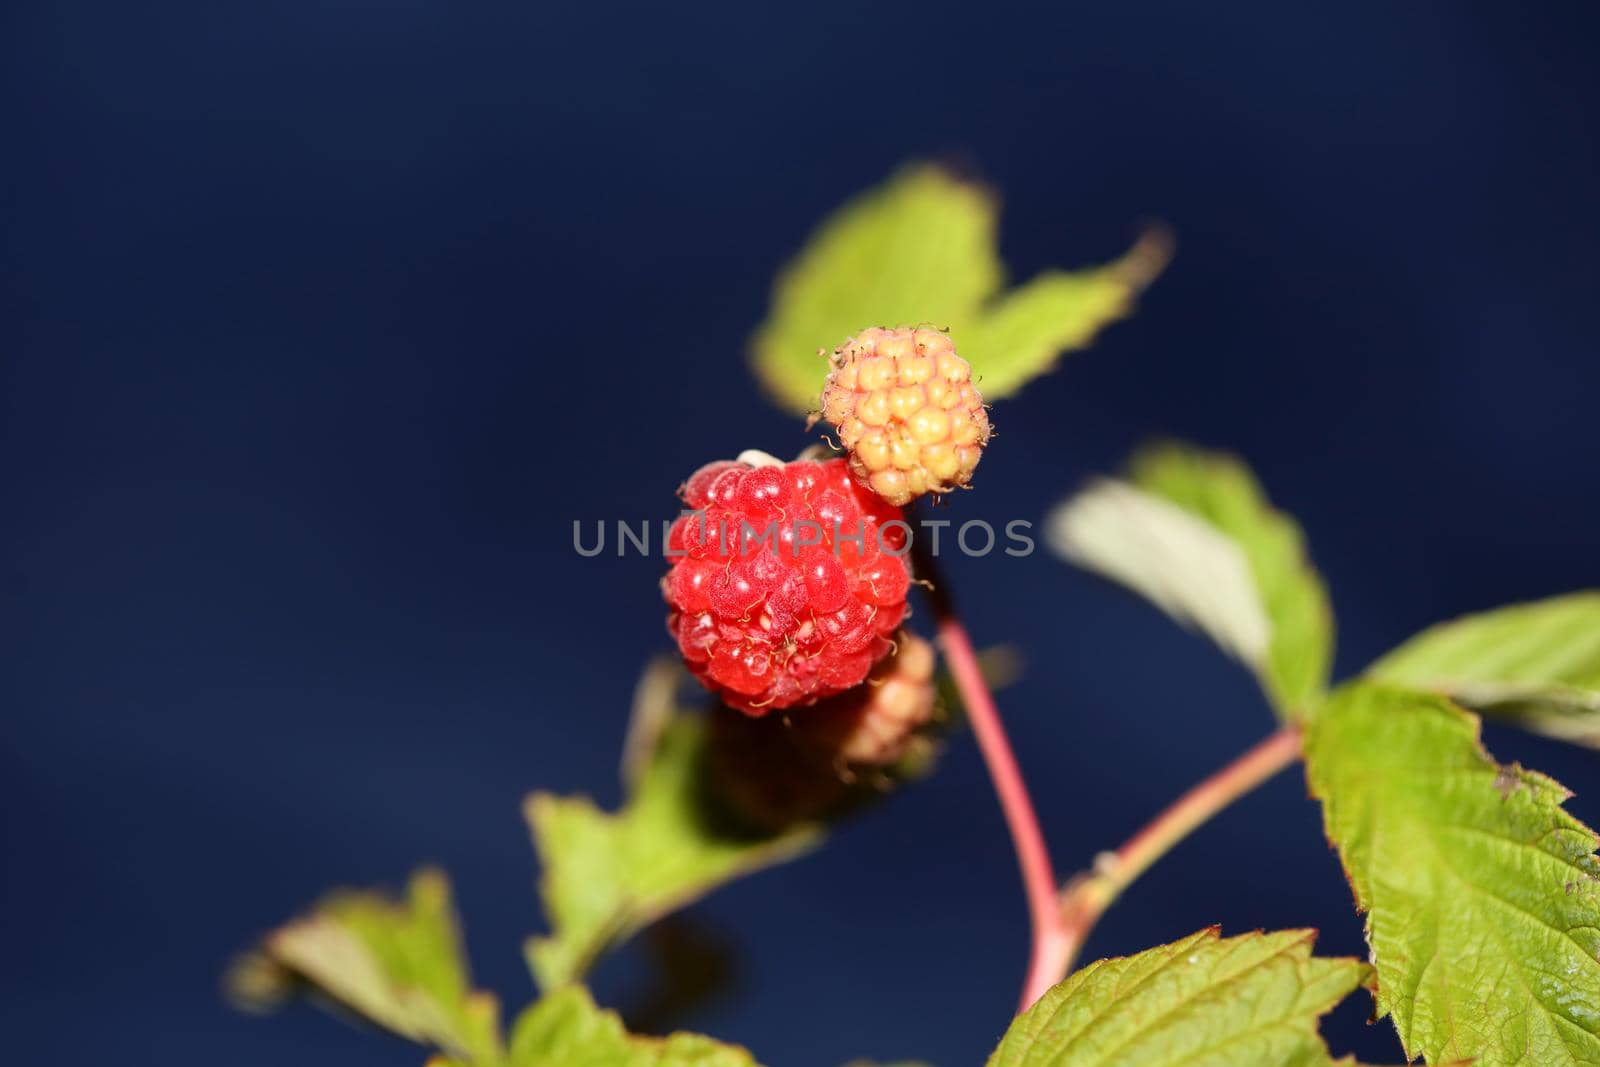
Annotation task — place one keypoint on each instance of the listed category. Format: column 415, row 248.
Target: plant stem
column 1062, row 922
column 1088, row 896
column 1051, row 944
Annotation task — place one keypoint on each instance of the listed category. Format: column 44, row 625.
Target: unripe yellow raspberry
column 907, row 411
column 813, row 762
column 873, row 725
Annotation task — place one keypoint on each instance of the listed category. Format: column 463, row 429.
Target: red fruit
column 783, row 590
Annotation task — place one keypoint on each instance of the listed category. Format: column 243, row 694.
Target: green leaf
column 1183, row 564
column 1021, row 335
column 1482, row 894
column 566, row 1029
column 607, row 876
column 922, row 249
column 1204, row 1001
column 1534, row 664
column 919, row 249
column 1194, row 533
column 398, row 963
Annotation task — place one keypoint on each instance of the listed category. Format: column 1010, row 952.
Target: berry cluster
column 907, row 411
column 784, row 769
column 873, row 724
column 785, row 583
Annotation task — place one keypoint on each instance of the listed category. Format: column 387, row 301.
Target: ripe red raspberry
column 908, row 412
column 784, row 585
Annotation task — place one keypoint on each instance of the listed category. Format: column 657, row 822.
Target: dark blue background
column 323, row 321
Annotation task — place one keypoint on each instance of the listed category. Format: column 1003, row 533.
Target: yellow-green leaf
column 566, row 1029
column 1482, row 894
column 1535, row 664
column 1203, row 1001
column 608, row 875
column 922, row 250
column 919, row 249
column 1023, row 334
column 399, row 963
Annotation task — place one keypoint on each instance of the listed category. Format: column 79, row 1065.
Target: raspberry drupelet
column 907, row 411
column 784, row 584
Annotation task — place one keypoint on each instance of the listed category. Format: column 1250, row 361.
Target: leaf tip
column 1148, row 257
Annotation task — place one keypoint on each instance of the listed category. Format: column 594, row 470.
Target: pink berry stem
column 1052, row 943
column 1087, row 896
column 1062, row 922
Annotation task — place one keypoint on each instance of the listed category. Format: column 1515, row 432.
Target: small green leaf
column 607, row 876
column 922, row 250
column 1482, row 894
column 1534, row 664
column 1204, row 1001
column 919, row 249
column 566, row 1029
column 1021, row 335
column 1195, row 534
column 398, row 963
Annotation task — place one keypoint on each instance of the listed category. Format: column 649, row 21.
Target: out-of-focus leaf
column 922, row 250
column 1203, row 1001
column 1482, row 894
column 1220, row 489
column 608, row 875
column 566, row 1029
column 1194, row 533
column 1179, row 562
column 1023, row 334
column 1536, row 664
column 398, row 963
column 655, row 705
